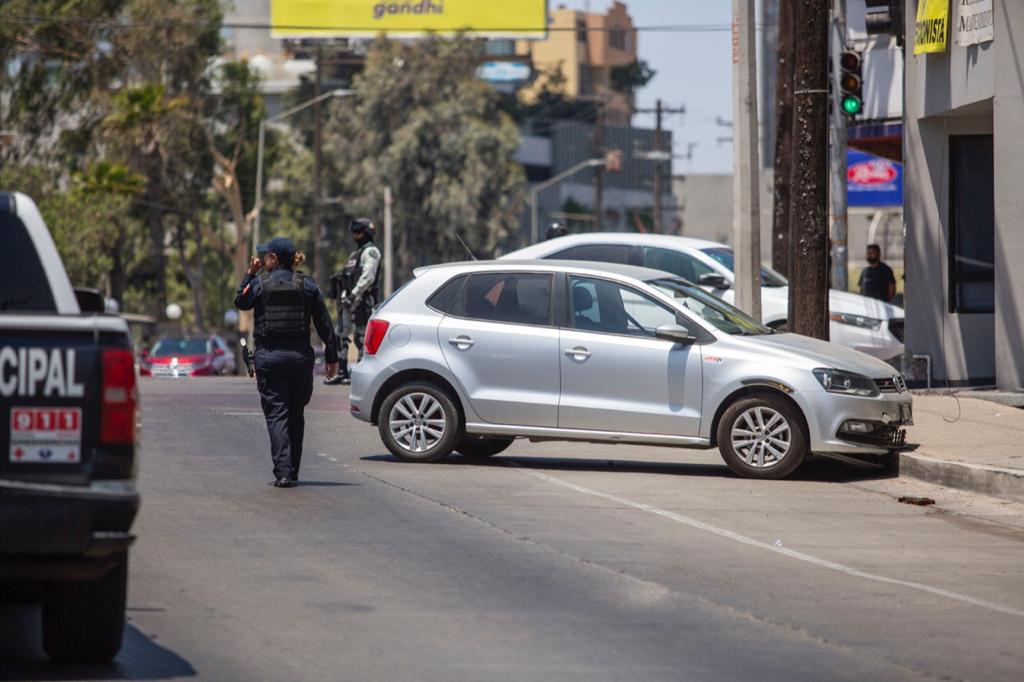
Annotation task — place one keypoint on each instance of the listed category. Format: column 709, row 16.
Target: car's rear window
column 602, row 253
column 517, row 298
column 23, row 283
column 442, row 299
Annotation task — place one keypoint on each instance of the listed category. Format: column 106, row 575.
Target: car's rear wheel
column 419, row 423
column 762, row 436
column 83, row 622
column 481, row 447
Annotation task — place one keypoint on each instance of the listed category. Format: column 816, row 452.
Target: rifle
column 247, row 356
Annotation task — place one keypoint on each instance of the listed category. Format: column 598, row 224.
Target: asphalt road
column 551, row 562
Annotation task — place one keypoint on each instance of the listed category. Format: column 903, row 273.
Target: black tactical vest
column 285, row 313
column 353, row 270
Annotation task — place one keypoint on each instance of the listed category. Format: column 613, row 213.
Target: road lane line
column 241, row 414
column 785, row 551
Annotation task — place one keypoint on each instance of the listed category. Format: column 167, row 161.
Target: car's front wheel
column 419, row 423
column 762, row 436
column 481, row 447
column 83, row 622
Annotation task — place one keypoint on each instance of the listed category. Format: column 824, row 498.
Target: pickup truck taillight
column 375, row 332
column 117, row 415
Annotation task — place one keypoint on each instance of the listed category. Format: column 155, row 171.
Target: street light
column 541, row 186
column 259, row 151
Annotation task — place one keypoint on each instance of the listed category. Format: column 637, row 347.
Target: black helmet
column 361, row 225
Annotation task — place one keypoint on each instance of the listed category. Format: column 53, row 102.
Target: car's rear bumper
column 56, row 532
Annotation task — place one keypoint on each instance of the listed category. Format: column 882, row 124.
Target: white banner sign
column 973, row 21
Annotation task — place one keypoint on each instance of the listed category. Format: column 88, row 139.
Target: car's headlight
column 861, row 321
column 837, row 381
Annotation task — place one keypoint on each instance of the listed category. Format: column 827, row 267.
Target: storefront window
column 972, row 225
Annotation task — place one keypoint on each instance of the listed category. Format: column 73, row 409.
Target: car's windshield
column 769, row 278
column 166, row 347
column 710, row 308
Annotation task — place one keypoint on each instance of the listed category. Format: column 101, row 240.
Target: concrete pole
column 319, row 228
column 746, row 166
column 389, row 246
column 259, row 186
column 837, row 160
column 657, row 168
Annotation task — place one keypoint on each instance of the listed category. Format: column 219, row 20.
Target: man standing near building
column 877, row 279
column 357, row 291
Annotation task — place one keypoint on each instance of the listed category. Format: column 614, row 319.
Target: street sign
column 409, row 19
column 872, row 180
column 932, row 26
column 503, row 72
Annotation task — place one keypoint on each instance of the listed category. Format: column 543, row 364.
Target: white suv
column 865, row 324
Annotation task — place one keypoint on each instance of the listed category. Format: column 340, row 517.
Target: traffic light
column 885, row 17
column 850, row 83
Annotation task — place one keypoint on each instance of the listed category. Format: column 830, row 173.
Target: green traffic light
column 851, row 105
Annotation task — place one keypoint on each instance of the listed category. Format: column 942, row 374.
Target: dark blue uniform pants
column 284, row 377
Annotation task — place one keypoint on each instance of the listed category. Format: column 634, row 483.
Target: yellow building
column 586, row 46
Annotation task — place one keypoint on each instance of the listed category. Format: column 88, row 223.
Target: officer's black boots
column 284, row 483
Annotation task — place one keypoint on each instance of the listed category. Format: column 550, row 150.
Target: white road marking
column 326, row 456
column 778, row 549
column 241, row 414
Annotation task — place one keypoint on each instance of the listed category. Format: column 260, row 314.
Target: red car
column 187, row 357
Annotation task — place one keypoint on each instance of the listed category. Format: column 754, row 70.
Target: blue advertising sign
column 872, row 180
column 503, row 72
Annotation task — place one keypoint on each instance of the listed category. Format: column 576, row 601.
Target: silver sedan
column 469, row 356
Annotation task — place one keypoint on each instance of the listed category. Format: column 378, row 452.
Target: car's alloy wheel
column 762, row 436
column 419, row 422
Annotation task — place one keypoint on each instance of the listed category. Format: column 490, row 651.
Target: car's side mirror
column 676, row 333
column 713, row 280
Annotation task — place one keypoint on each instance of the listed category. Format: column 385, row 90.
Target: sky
column 693, row 70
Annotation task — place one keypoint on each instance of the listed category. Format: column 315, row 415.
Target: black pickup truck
column 68, row 446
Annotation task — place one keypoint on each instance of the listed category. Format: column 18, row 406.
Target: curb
column 995, row 481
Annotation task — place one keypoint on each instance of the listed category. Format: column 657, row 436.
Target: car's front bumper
column 827, row 413
column 57, row 532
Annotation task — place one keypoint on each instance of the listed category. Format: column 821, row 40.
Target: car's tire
column 762, row 436
column 83, row 622
column 419, row 422
column 481, row 447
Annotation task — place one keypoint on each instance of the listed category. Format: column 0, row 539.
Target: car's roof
column 662, row 240
column 634, row 271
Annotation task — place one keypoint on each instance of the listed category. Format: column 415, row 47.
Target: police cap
column 282, row 246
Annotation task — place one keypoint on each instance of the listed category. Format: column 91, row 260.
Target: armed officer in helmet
column 284, row 302
column 357, row 290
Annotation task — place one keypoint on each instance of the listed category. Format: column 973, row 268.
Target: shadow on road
column 22, row 656
column 823, row 469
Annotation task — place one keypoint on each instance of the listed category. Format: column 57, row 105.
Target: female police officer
column 284, row 302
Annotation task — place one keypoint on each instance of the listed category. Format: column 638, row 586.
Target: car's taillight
column 375, row 332
column 117, row 416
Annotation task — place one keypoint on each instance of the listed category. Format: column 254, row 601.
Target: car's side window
column 443, row 299
column 602, row 253
column 602, row 306
column 518, row 298
column 675, row 262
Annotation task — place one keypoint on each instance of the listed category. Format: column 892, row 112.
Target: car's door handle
column 462, row 342
column 577, row 353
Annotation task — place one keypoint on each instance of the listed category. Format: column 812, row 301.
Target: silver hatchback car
column 469, row 356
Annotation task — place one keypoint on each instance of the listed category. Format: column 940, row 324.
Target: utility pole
column 659, row 111
column 837, row 159
column 808, row 279
column 599, row 170
column 746, row 189
column 389, row 246
column 319, row 229
column 783, row 138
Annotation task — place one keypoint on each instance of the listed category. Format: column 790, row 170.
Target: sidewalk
column 977, row 446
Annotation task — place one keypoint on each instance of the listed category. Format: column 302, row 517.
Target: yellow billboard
column 362, row 18
column 932, row 27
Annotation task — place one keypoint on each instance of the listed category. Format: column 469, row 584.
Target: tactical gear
column 285, row 312
column 353, row 270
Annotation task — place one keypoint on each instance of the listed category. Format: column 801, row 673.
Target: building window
column 581, row 31
column 971, row 224
column 617, row 39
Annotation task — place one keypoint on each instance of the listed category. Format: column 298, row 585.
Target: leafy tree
column 629, row 78
column 423, row 124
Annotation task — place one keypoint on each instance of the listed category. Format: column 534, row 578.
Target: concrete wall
column 977, row 89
